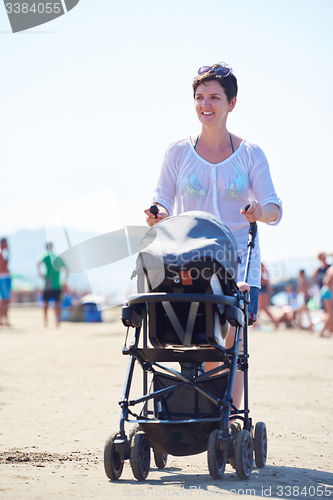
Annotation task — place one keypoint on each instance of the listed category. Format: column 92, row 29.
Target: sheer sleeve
column 261, row 182
column 165, row 190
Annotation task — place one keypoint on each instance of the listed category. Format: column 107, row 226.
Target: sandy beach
column 59, row 392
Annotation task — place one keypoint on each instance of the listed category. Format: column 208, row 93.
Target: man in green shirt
column 52, row 286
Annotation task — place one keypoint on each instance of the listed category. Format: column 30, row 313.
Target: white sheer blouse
column 188, row 182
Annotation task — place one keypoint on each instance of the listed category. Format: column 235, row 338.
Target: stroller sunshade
column 192, row 240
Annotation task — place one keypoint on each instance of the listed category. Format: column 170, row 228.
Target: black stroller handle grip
column 252, row 224
column 154, row 210
column 252, row 232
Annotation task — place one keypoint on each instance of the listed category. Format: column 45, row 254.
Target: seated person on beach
column 288, row 312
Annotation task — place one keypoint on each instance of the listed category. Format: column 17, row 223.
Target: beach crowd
column 308, row 295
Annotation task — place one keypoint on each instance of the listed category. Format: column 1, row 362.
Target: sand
column 59, row 392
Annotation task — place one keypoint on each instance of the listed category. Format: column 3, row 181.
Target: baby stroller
column 188, row 298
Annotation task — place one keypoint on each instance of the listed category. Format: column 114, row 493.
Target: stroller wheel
column 112, row 464
column 243, row 456
column 216, row 462
column 140, row 455
column 260, row 444
column 132, row 431
column 160, row 459
column 235, row 428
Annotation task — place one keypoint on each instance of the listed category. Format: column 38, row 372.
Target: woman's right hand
column 152, row 220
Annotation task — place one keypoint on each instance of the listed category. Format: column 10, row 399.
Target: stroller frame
column 223, row 444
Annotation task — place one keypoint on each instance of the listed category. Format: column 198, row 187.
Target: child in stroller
column 187, row 299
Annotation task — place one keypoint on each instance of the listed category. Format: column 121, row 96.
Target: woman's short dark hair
column 228, row 83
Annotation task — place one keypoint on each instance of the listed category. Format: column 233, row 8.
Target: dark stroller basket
column 187, row 300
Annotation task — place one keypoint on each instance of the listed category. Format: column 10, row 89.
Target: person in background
column 265, row 293
column 320, row 272
column 318, row 280
column 5, row 283
column 52, row 285
column 326, row 293
column 304, row 288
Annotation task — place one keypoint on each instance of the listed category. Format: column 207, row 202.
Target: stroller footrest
column 181, row 356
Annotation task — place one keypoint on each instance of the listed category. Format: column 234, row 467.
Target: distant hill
column 26, row 246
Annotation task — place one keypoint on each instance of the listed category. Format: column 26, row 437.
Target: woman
column 220, row 173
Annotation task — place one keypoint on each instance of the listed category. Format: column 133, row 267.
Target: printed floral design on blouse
column 192, row 186
column 236, row 185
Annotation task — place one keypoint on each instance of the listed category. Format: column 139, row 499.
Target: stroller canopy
column 193, row 238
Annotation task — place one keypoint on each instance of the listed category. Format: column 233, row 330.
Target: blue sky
column 90, row 101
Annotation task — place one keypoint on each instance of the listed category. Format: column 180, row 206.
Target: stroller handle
column 252, row 231
column 252, row 224
column 154, row 210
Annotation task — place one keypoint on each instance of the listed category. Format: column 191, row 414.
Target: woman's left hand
column 243, row 286
column 253, row 213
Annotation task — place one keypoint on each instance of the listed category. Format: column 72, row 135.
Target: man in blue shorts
column 52, row 286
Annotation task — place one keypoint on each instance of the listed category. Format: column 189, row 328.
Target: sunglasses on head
column 222, row 71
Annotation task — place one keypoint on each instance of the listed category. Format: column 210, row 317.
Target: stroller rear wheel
column 243, row 456
column 140, row 455
column 216, row 462
column 260, row 444
column 160, row 459
column 112, row 464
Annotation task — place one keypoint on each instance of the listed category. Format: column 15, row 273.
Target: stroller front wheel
column 216, row 462
column 112, row 463
column 243, row 456
column 140, row 455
